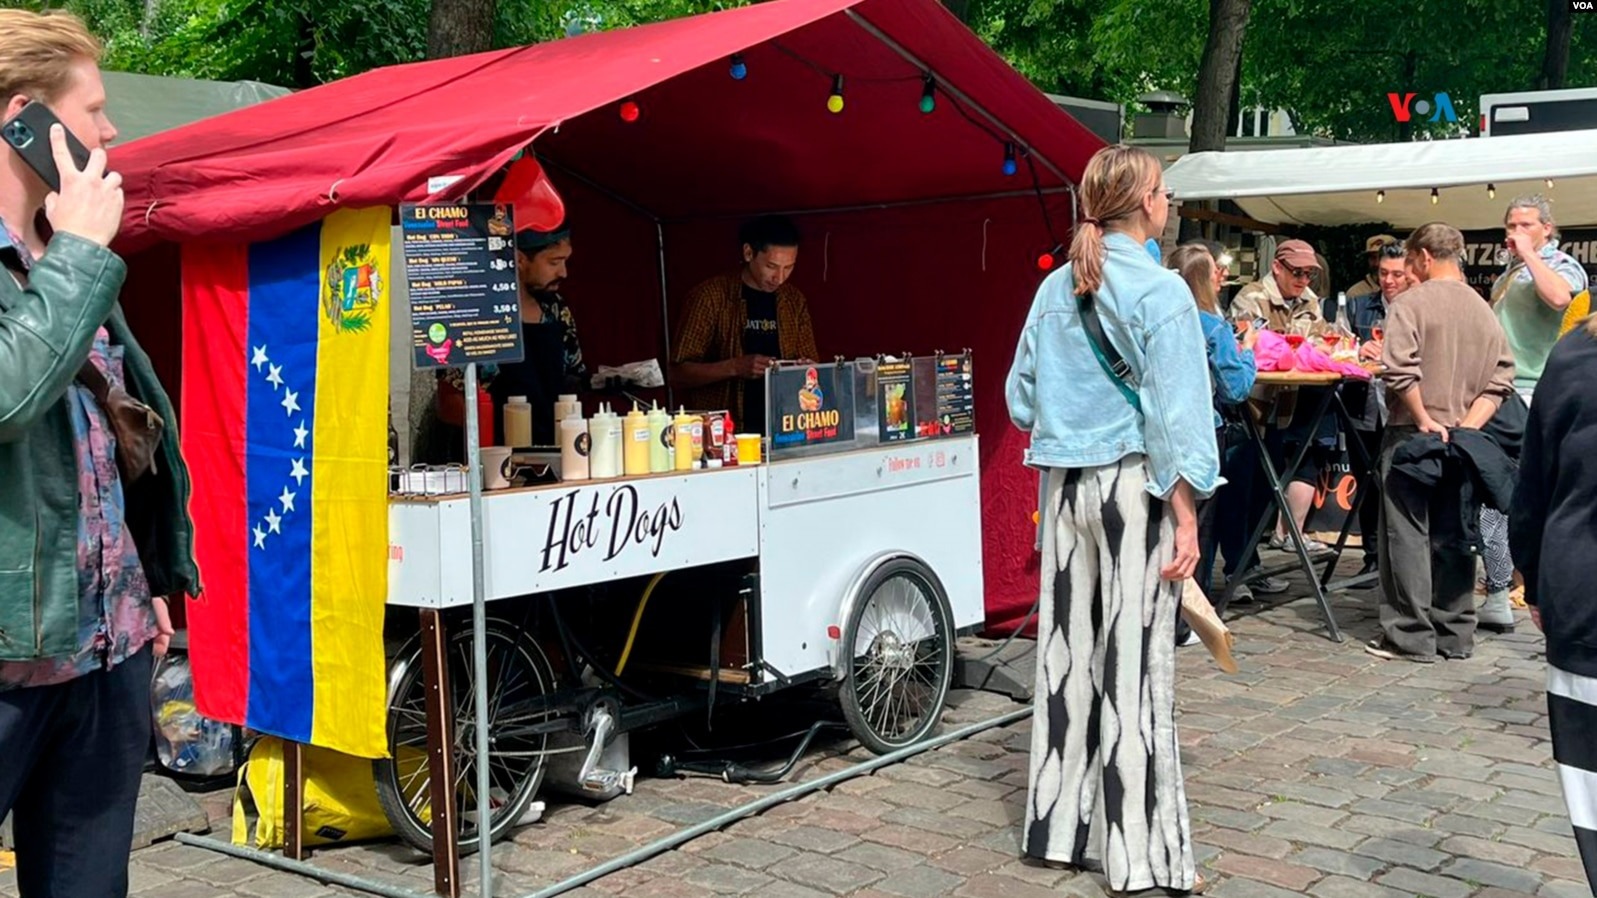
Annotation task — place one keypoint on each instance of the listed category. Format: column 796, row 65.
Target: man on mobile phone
column 82, row 552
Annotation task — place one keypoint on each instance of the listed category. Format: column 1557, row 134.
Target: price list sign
column 956, row 402
column 460, row 264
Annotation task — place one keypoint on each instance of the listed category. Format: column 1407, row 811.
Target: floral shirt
column 115, row 617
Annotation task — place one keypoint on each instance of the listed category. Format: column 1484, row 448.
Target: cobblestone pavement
column 1318, row 770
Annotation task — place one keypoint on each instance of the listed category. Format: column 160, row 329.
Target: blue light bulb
column 1009, row 166
column 739, row 69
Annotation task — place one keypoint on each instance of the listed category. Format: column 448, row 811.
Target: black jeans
column 72, row 755
column 1370, row 505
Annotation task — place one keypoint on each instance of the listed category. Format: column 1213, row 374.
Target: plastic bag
column 340, row 798
column 186, row 742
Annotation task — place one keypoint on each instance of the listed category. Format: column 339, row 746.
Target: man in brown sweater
column 1447, row 366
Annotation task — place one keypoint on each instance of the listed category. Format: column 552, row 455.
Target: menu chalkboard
column 460, row 262
column 811, row 405
column 895, row 401
column 956, row 401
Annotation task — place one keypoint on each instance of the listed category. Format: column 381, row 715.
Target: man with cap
column 1283, row 298
column 552, row 363
column 1287, row 306
column 1370, row 284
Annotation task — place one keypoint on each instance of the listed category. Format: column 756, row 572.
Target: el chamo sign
column 557, row 537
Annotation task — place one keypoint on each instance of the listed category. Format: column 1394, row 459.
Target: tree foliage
column 1330, row 63
column 300, row 43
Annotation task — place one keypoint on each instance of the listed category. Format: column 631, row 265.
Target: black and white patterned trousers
column 1105, row 786
column 1494, row 550
column 1572, row 718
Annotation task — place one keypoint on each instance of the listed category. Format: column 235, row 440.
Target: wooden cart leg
column 294, row 801
column 440, row 754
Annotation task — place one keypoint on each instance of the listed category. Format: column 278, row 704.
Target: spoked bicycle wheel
column 520, row 678
column 900, row 638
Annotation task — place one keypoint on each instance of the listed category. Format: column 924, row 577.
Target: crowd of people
column 1146, row 483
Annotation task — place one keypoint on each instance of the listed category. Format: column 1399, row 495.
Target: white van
column 1539, row 111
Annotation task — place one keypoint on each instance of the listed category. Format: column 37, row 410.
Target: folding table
column 1364, row 485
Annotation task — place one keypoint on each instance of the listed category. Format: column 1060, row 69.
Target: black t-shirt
column 760, row 337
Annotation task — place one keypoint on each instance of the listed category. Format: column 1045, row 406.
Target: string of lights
column 1436, row 192
column 928, row 103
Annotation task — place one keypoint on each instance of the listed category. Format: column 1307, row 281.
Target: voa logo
column 1405, row 107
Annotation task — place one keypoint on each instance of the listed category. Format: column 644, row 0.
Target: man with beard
column 552, row 363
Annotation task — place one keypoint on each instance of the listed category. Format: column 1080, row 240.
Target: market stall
column 925, row 197
column 918, row 232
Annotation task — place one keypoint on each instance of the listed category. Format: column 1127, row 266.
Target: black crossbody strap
column 1112, row 362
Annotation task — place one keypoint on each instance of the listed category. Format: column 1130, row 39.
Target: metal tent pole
column 479, row 635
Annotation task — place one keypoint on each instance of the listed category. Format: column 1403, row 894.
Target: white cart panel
column 555, row 537
column 825, row 518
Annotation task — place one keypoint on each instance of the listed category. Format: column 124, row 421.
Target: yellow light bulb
column 1380, row 196
column 834, row 103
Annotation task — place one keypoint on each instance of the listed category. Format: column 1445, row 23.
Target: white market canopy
column 1338, row 185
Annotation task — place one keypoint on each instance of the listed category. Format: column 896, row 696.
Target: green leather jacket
column 46, row 331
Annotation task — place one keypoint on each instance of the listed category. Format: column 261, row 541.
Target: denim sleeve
column 1020, row 388
column 1178, row 417
column 1234, row 367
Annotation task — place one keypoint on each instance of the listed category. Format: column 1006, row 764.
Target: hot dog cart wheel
column 521, row 677
column 901, row 634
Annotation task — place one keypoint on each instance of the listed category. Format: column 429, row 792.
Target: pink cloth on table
column 1273, row 353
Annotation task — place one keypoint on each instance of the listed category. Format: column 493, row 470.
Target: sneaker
column 1314, row 546
column 1496, row 613
column 1191, row 640
column 1270, row 586
column 1456, row 656
column 1384, row 650
column 1242, row 595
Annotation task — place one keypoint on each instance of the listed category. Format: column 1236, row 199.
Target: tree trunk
column 1555, row 61
column 960, row 8
column 458, row 27
column 1217, row 75
column 305, row 53
column 1405, row 130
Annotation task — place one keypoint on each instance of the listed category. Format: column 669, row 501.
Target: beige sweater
column 1443, row 338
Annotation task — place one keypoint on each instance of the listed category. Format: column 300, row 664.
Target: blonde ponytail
column 1113, row 187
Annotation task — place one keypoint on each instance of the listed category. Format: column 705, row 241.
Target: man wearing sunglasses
column 1284, row 299
column 1287, row 305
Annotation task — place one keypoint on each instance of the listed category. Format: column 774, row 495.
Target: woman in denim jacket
column 1123, row 465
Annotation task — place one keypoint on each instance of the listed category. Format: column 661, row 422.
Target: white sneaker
column 1192, row 639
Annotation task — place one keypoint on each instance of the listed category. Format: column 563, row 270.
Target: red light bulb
column 1045, row 262
column 630, row 112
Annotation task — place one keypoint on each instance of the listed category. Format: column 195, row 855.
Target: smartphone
column 29, row 135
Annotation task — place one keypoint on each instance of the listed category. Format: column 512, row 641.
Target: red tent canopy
column 916, row 239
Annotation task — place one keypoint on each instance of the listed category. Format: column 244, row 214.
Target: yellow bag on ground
column 340, row 798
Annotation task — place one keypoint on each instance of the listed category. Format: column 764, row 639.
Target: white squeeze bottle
column 574, row 447
column 518, row 422
column 604, row 431
column 566, row 405
column 660, row 436
column 635, row 442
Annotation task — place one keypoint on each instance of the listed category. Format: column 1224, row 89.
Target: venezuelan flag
column 285, row 429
